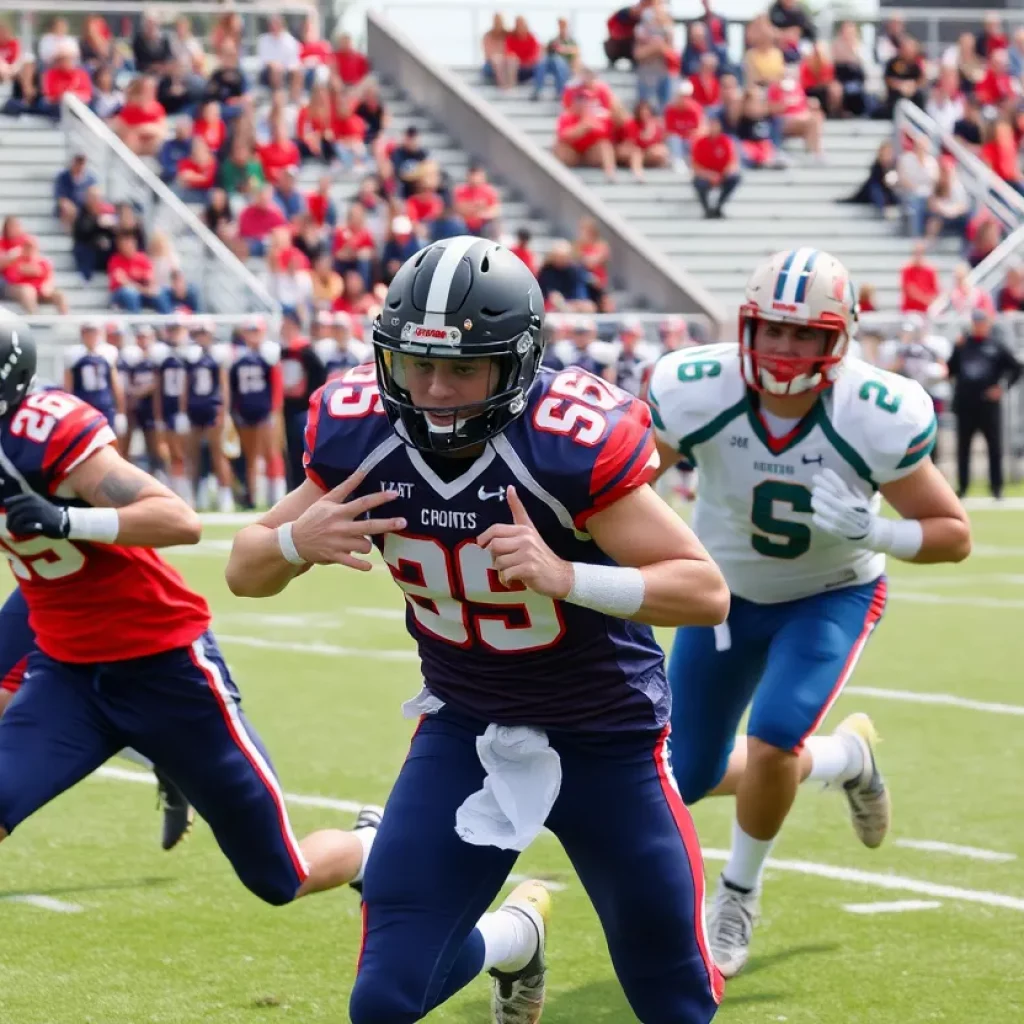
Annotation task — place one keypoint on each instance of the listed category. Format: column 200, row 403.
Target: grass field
column 131, row 935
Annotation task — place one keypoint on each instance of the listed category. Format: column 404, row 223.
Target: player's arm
column 664, row 576
column 668, row 456
column 117, row 389
column 129, row 508
column 307, row 527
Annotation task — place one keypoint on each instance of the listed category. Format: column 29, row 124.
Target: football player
column 91, row 373
column 513, row 496
column 79, row 531
column 796, row 443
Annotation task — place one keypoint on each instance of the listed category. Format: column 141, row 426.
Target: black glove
column 29, row 515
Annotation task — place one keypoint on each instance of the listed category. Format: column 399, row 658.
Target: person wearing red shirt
column 1010, row 298
column 258, row 219
column 715, row 161
column 64, row 76
column 997, row 84
column 314, row 128
column 130, row 275
column 320, row 205
column 801, row 118
column 991, row 37
column 818, row 81
column 522, row 52
column 643, row 143
column 197, row 173
column 314, row 52
column 583, row 136
column 684, row 121
column 621, row 33
column 919, row 282
column 12, row 238
column 141, row 124
column 278, row 153
column 424, row 204
column 353, row 245
column 476, row 201
column 352, row 66
column 707, row 90
column 523, row 251
column 591, row 87
column 29, row 279
column 355, row 300
column 349, row 133
column 10, row 51
column 210, row 126
column 1001, row 154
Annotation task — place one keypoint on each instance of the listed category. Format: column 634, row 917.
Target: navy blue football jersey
column 203, row 367
column 251, row 388
column 506, row 654
column 90, row 374
column 173, row 382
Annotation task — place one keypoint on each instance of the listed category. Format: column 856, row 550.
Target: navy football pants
column 181, row 710
column 626, row 831
column 17, row 640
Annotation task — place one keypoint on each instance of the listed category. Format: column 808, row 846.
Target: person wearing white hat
column 90, row 373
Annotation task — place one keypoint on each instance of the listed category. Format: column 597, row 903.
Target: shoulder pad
column 604, row 352
column 325, row 348
column 888, row 420
column 159, row 351
column 131, row 355
column 221, row 353
column 271, row 352
column 193, row 353
column 692, row 387
column 72, row 354
column 109, row 352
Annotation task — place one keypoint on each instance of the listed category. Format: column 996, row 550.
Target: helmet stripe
column 444, row 274
column 805, row 275
column 780, row 284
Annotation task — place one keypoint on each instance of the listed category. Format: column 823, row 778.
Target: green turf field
column 134, row 935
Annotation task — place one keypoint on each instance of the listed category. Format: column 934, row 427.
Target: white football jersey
column 753, row 512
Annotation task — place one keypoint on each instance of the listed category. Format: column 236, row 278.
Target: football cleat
column 368, row 817
column 731, row 921
column 178, row 812
column 518, row 997
column 867, row 794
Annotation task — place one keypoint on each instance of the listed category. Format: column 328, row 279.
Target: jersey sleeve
column 689, row 390
column 77, row 434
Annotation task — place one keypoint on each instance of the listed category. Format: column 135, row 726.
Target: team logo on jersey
column 483, row 494
column 420, row 334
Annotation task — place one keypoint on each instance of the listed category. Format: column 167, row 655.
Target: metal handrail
column 258, row 7
column 73, row 107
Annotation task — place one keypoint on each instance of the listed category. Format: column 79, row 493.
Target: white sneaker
column 518, row 998
column 867, row 794
column 731, row 921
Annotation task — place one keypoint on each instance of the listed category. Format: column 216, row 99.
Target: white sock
column 135, row 757
column 746, row 859
column 259, row 499
column 227, row 500
column 834, row 758
column 510, row 940
column 278, row 489
column 366, row 837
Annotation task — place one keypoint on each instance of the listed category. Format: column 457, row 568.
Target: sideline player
column 81, row 524
column 17, row 642
column 794, row 440
column 515, row 494
column 91, row 374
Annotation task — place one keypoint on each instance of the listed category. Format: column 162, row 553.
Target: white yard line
column 309, row 647
column 44, row 903
column 955, row 850
column 922, row 597
column 942, row 699
column 895, row 907
column 895, row 883
column 991, row 505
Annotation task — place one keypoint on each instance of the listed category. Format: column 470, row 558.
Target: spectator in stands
column 784, row 14
column 152, row 48
column 227, row 33
column 228, row 85
column 983, row 241
column 63, row 76
column 259, row 218
column 495, row 56
column 997, row 85
column 349, row 133
column 57, row 38
column 643, row 142
column 197, row 173
column 655, row 57
column 25, row 97
column 755, row 132
column 949, row 206
column 684, row 121
column 70, row 187
column 357, row 300
column 583, row 136
column 107, row 99
column 127, row 220
column 327, row 285
column 425, row 204
column 402, row 243
column 314, row 52
column 970, row 129
column 130, row 274
column 919, row 282
column 352, row 66
column 592, row 254
column 211, row 127
column 372, row 110
column 878, row 188
column 10, row 53
column 563, row 281
column 477, row 203
column 763, row 62
column 800, row 117
column 217, row 215
column 991, row 38
column 353, row 245
column 12, row 238
column 521, row 247
column 175, row 149
column 242, row 170
column 730, row 109
column 558, row 60
column 288, row 273
column 918, row 173
column 1010, row 297
column 1000, row 153
column 522, row 54
column 866, row 298
column 99, row 48
column 963, row 57
column 29, row 279
column 586, row 83
column 715, row 162
column 93, row 233
column 407, row 157
column 320, row 204
column 288, row 197
column 178, row 92
column 278, row 53
column 185, row 48
column 141, row 123
column 164, row 260
column 965, row 297
column 818, row 80
column 905, row 76
column 850, row 69
column 309, row 237
column 180, row 296
column 279, row 152
column 697, row 44
column 945, row 103
column 448, row 225
column 789, row 41
column 378, row 213
column 1016, row 52
column 622, row 32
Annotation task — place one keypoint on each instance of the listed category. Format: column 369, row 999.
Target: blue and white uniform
column 205, row 398
column 251, row 394
column 91, row 376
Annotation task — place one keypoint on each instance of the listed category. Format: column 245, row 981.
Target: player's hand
column 31, row 515
column 994, row 393
column 330, row 531
column 519, row 553
column 840, row 511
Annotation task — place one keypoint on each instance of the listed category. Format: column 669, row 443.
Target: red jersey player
column 80, row 527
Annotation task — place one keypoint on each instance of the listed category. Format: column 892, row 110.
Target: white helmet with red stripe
column 809, row 288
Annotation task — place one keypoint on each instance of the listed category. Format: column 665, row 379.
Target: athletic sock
column 746, row 860
column 510, row 940
column 835, row 758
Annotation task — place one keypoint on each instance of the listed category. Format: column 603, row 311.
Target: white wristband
column 287, row 545
column 100, row 525
column 610, row 589
column 901, row 538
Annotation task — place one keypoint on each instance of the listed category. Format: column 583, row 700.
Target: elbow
column 190, row 528
column 713, row 608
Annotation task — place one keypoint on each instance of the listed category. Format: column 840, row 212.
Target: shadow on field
column 81, row 890
column 764, row 963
